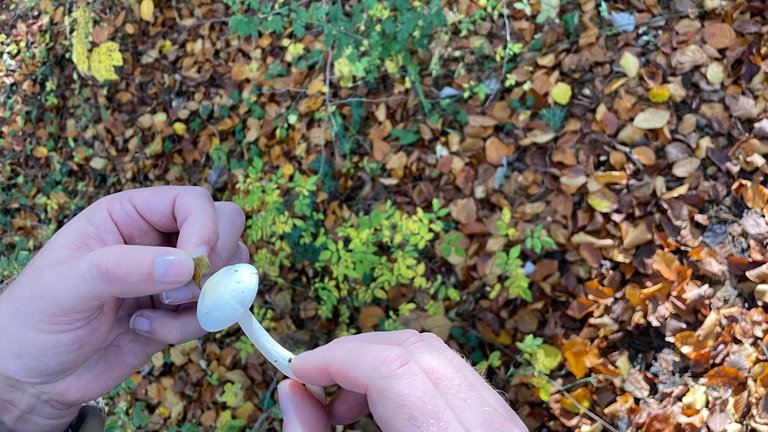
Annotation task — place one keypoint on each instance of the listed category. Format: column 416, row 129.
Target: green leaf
column 546, row 358
column 243, row 26
column 571, row 21
column 405, row 137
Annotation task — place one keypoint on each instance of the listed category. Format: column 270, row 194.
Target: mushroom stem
column 267, row 346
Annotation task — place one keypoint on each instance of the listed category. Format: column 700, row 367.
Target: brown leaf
column 496, row 150
column 369, row 318
column 727, row 376
column 464, row 210
column 202, row 265
column 719, row 35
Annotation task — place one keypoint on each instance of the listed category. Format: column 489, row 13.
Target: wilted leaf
column 603, row 200
column 719, row 35
column 644, row 155
column 202, row 265
column 630, row 64
column 651, row 118
column 684, row 167
column 146, row 10
column 580, row 356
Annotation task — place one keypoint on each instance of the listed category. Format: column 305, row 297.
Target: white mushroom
column 227, row 298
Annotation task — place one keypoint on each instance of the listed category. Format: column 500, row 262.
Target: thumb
column 302, row 412
column 125, row 271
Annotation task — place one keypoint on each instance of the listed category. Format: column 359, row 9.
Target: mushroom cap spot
column 226, row 295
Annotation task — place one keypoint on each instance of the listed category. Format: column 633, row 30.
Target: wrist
column 23, row 407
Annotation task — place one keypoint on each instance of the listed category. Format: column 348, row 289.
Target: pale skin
column 113, row 287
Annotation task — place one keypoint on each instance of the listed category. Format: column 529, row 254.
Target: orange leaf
column 580, row 356
column 666, row 264
column 727, row 376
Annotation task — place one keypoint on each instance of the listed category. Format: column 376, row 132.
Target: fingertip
column 301, row 410
column 167, row 326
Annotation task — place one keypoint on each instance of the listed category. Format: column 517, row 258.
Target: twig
column 503, row 73
column 580, row 406
column 627, row 151
column 266, row 413
column 176, row 13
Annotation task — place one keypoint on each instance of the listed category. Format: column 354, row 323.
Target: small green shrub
column 536, row 240
column 357, row 261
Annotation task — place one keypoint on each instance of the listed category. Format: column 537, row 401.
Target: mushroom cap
column 226, row 295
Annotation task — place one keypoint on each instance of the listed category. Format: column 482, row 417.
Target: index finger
column 142, row 216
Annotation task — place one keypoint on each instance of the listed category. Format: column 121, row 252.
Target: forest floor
column 578, row 187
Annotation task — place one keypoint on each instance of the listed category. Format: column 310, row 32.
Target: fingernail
column 201, row 250
column 181, row 295
column 174, row 269
column 286, row 405
column 139, row 323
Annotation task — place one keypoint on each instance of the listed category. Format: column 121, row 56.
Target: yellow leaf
column 40, row 152
column 179, row 128
column 146, row 10
column 630, row 64
column 81, row 39
column 716, row 72
column 659, row 94
column 599, row 203
column 546, row 358
column 561, row 93
column 294, row 50
column 651, row 118
column 104, row 58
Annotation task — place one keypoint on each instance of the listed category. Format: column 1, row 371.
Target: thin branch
column 503, row 73
column 580, row 406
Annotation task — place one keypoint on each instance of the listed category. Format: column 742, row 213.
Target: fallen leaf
column 201, row 268
column 658, row 94
column 651, row 118
column 645, row 155
column 684, row 167
column 561, row 93
column 630, row 64
column 146, row 10
column 580, row 356
column 719, row 35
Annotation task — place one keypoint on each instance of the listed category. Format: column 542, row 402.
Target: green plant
column 541, row 359
column 226, row 423
column 554, row 116
column 245, row 347
column 128, row 414
column 493, row 361
column 449, row 247
column 509, row 264
column 523, row 5
column 536, row 240
column 233, row 395
column 354, row 262
column 549, row 10
column 515, row 281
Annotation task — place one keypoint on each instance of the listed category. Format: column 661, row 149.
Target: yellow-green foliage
column 350, row 265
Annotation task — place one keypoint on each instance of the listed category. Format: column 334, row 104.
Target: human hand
column 410, row 381
column 110, row 289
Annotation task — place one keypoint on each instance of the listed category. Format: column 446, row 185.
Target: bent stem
column 267, row 346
